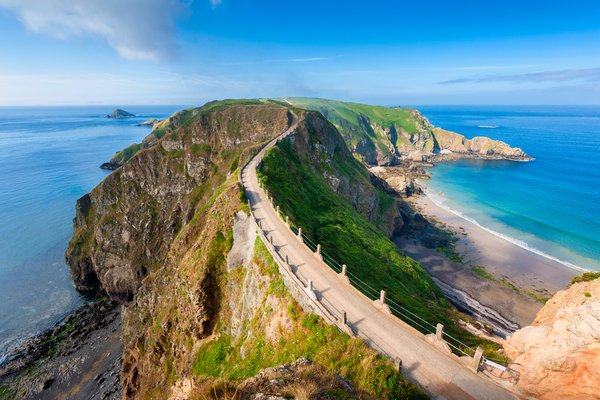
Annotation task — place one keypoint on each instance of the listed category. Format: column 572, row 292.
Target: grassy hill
column 374, row 133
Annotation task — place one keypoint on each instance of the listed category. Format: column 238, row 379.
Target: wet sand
column 493, row 301
column 502, row 258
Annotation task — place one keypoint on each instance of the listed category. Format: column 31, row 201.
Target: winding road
column 440, row 374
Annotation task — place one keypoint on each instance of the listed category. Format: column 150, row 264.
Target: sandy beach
column 520, row 276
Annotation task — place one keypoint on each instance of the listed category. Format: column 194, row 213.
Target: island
column 119, row 114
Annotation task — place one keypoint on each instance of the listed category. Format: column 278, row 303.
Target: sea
column 49, row 157
column 550, row 206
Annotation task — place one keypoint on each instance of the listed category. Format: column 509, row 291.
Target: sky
column 395, row 52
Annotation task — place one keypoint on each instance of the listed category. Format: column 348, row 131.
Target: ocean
column 550, row 206
column 49, row 157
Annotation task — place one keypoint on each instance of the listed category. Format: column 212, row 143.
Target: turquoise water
column 551, row 205
column 49, row 157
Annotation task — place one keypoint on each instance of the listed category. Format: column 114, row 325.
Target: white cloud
column 136, row 29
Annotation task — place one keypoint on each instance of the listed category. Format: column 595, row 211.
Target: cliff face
column 318, row 145
column 558, row 356
column 125, row 226
column 168, row 234
column 478, row 146
column 383, row 136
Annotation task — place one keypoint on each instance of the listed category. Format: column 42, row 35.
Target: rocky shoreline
column 80, row 357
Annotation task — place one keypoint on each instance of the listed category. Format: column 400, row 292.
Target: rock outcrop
column 454, row 145
column 558, row 356
column 149, row 122
column 119, row 114
column 125, row 226
column 384, row 136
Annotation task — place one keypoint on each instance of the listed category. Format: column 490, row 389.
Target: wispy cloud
column 282, row 60
column 564, row 75
column 309, row 59
column 136, row 29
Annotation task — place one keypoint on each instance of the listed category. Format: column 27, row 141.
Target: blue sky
column 59, row 52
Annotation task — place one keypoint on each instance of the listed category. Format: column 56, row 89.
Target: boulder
column 558, row 356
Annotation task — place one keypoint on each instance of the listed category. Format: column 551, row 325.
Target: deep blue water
column 551, row 205
column 49, row 157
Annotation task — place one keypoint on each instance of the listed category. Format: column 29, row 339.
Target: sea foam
column 440, row 201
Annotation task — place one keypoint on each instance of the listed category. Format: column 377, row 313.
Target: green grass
column 536, row 295
column 235, row 359
column 128, row 152
column 347, row 117
column 311, row 338
column 328, row 219
column 484, row 273
column 585, row 277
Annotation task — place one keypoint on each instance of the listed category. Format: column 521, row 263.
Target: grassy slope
column 351, row 239
column 236, row 359
column 345, row 116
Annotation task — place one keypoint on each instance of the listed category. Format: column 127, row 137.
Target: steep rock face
column 558, row 356
column 383, row 136
column 478, row 146
column 125, row 226
column 317, row 143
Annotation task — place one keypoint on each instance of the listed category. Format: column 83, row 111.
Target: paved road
column 440, row 374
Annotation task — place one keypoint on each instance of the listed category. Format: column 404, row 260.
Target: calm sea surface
column 550, row 205
column 49, row 157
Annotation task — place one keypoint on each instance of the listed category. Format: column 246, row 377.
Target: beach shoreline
column 501, row 257
column 509, row 284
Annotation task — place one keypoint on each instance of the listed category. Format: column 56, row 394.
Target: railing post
column 439, row 331
column 310, row 291
column 318, row 252
column 398, row 364
column 381, row 303
column 477, row 359
column 343, row 275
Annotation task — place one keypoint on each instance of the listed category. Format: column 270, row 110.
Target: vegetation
column 349, row 118
column 128, row 152
column 539, row 295
column 484, row 273
column 350, row 238
column 585, row 277
column 233, row 359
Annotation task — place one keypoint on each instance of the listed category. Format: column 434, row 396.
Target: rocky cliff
column 384, row 136
column 168, row 235
column 558, row 356
column 124, row 228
